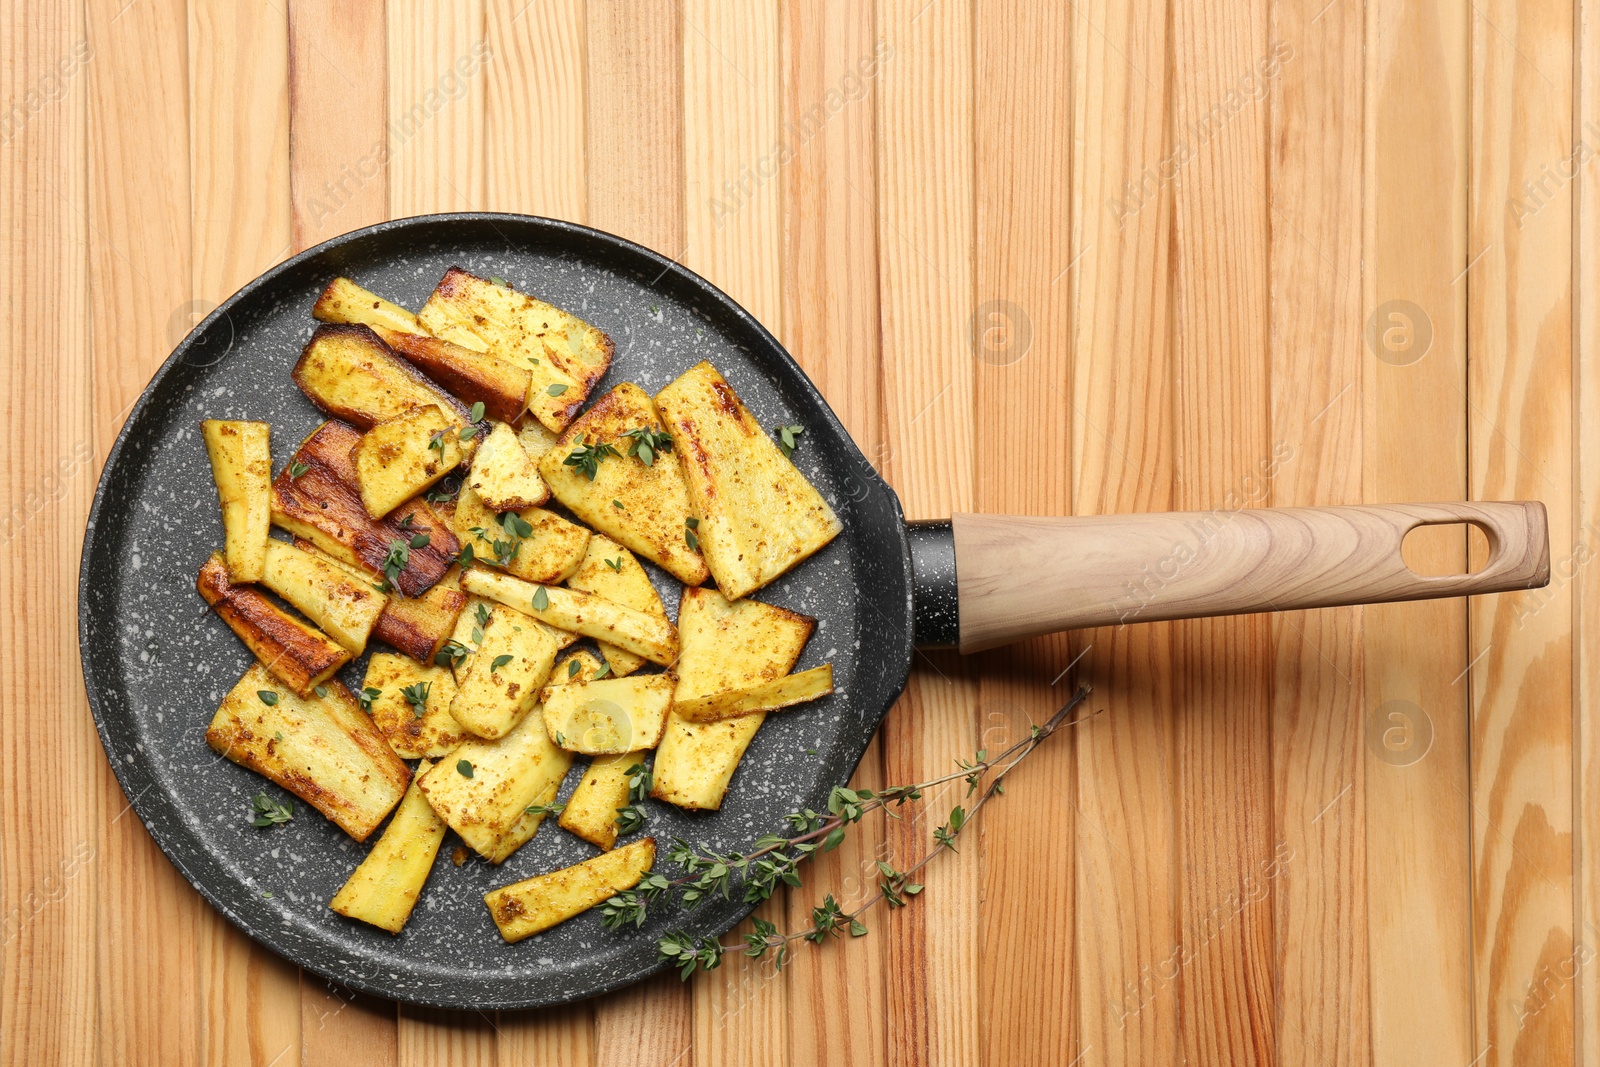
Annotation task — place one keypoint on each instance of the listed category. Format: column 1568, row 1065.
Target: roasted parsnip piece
column 385, row 887
column 582, row 613
column 411, row 705
column 500, row 681
column 241, row 465
column 397, row 459
column 533, row 544
column 417, row 626
column 591, row 811
column 784, row 692
column 301, row 656
column 503, row 476
column 653, row 498
column 484, row 787
column 579, row 665
column 758, row 514
column 525, row 908
column 476, row 377
column 564, row 355
column 608, row 570
column 527, row 825
column 315, row 497
column 345, row 301
column 726, row 645
column 345, row 607
column 536, row 438
column 610, row 716
column 320, row 748
column 349, row 372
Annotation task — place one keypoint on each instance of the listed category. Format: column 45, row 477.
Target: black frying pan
column 156, row 662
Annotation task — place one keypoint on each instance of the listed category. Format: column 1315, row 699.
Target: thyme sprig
column 776, row 859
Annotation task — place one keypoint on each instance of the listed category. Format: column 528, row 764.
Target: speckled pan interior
column 157, row 662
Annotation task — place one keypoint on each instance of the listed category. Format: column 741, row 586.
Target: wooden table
column 1042, row 257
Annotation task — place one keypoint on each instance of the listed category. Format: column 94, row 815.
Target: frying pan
column 156, row 662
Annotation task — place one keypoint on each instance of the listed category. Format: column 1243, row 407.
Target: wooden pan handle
column 1018, row 577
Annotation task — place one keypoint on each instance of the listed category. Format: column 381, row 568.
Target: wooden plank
column 338, row 143
column 925, row 284
column 1586, row 512
column 1022, row 391
column 635, row 112
column 429, row 1037
column 338, row 151
column 535, row 82
column 733, row 224
column 535, row 106
column 50, row 868
column 437, row 69
column 1223, row 669
column 1122, row 449
column 1315, row 238
column 1414, row 655
column 239, row 149
column 140, row 268
column 830, row 323
column 1519, row 419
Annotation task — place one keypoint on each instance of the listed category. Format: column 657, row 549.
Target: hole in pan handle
column 988, row 580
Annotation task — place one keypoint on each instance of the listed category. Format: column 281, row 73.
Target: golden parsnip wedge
column 643, row 506
column 758, row 514
column 241, row 466
column 323, row 749
column 417, row 626
column 581, row 613
column 578, row 666
column 500, row 680
column 384, row 888
column 784, row 692
column 503, row 476
column 345, row 607
column 533, row 544
column 591, row 811
column 349, row 372
column 411, row 707
column 399, row 458
column 727, row 644
column 564, row 355
column 609, row 716
column 608, row 570
column 474, row 376
column 525, row 908
column 527, row 825
column 301, row 656
column 345, row 301
column 483, row 788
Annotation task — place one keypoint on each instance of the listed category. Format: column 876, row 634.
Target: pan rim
column 145, row 801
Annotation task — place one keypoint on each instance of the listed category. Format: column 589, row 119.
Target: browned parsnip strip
column 476, row 377
column 301, row 657
column 349, row 372
column 525, row 908
column 784, row 692
column 582, row 613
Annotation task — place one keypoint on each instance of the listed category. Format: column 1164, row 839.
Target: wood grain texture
column 1418, row 842
column 139, row 217
column 239, row 151
column 1126, row 896
column 535, row 107
column 1316, row 230
column 1519, row 427
column 438, row 65
column 1117, row 569
column 1022, row 380
column 1586, row 508
column 926, row 291
column 1223, row 668
column 50, row 869
column 831, row 62
column 733, row 225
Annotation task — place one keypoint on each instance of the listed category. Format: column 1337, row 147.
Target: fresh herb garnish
column 786, row 436
column 499, row 661
column 587, row 457
column 296, row 469
column 630, row 818
column 617, row 504
column 267, row 697
column 605, row 669
column 615, row 564
column 556, row 389
column 471, row 430
column 553, row 808
column 495, row 279
column 690, row 538
column 417, row 696
column 269, row 812
column 541, row 599
column 436, row 442
column 366, row 697
column 321, row 691
column 573, row 668
column 420, row 540
column 464, row 768
column 451, row 653
column 645, row 443
column 395, row 562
